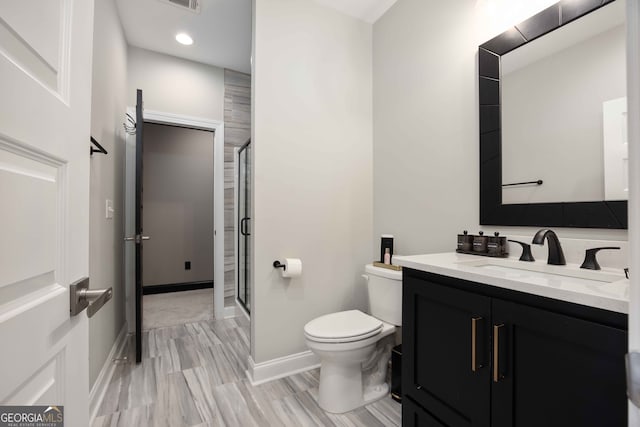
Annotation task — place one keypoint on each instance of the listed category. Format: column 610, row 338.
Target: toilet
column 354, row 347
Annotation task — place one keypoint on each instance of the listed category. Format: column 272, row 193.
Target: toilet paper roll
column 293, row 267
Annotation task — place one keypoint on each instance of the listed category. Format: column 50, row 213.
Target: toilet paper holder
column 277, row 264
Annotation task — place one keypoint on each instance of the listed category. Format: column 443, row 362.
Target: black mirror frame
column 602, row 214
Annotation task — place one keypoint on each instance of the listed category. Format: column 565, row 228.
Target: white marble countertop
column 606, row 289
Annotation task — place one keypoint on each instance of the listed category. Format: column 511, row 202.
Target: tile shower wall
column 237, row 129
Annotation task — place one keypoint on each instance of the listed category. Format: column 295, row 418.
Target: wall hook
column 129, row 125
column 100, row 148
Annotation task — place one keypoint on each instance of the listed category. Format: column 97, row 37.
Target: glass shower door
column 244, row 232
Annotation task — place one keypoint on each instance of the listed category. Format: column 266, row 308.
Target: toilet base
column 346, row 386
column 350, row 385
column 375, row 393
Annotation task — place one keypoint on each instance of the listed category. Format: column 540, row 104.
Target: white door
column 45, row 92
column 616, row 149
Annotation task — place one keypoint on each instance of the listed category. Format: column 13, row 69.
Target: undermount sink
column 533, row 271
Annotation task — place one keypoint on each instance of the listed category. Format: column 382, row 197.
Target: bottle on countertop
column 387, row 256
column 386, row 243
column 480, row 242
column 496, row 245
column 465, row 241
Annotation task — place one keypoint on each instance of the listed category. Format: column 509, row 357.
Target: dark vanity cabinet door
column 414, row 416
column 555, row 370
column 439, row 371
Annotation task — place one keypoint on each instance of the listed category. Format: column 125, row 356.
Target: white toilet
column 354, row 348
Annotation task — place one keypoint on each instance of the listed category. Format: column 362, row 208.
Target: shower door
column 244, row 225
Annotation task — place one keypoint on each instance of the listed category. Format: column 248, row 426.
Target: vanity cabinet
column 437, row 352
column 478, row 355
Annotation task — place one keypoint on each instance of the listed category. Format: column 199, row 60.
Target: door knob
column 82, row 297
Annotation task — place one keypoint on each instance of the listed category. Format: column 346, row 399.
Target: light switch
column 109, row 209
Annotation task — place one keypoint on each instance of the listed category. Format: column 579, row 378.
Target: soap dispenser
column 496, row 245
column 465, row 242
column 480, row 242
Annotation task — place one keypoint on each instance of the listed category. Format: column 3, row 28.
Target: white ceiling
column 221, row 31
column 366, row 10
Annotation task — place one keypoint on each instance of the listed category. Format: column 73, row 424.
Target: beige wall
column 174, row 85
column 425, row 119
column 177, row 204
column 108, row 107
column 312, row 168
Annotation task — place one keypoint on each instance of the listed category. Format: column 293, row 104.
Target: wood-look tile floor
column 176, row 308
column 194, row 375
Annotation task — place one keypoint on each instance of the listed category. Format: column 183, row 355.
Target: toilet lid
column 344, row 326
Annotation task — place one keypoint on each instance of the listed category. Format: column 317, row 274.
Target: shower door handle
column 243, row 226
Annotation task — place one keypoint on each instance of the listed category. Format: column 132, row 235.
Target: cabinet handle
column 496, row 356
column 474, row 344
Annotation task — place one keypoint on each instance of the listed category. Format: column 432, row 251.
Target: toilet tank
column 385, row 294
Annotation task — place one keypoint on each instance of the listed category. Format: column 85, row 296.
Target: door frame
column 633, row 112
column 172, row 119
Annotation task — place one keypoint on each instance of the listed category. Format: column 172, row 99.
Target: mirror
column 564, row 113
column 553, row 119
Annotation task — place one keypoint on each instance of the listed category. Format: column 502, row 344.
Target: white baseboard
column 281, row 367
column 229, row 312
column 241, row 310
column 99, row 388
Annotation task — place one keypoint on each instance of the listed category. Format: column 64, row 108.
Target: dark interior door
column 138, row 212
column 556, row 370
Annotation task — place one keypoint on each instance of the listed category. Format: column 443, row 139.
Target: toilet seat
column 342, row 327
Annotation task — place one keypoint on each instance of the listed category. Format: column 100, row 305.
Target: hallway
column 194, row 375
column 177, row 308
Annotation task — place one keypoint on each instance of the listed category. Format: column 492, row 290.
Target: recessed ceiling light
column 184, row 38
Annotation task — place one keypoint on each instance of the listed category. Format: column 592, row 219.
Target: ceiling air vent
column 191, row 5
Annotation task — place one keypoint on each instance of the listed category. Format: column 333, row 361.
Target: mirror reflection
column 564, row 113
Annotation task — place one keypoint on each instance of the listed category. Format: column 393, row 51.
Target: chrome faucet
column 556, row 257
